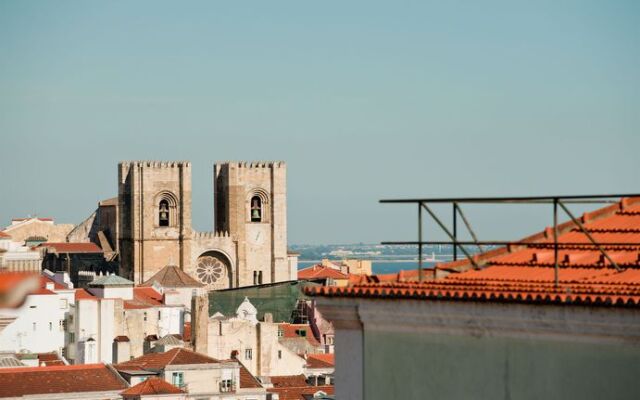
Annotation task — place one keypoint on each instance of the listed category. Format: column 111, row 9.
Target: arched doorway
column 213, row 269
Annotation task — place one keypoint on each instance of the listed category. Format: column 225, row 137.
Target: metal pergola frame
column 555, row 201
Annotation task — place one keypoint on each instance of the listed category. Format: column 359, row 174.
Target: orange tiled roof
column 282, row 381
column 144, row 297
column 4, row 235
column 152, row 386
column 82, row 294
column 290, row 331
column 320, row 271
column 50, row 359
column 525, row 273
column 172, row 276
column 321, row 361
column 297, row 393
column 247, row 381
column 157, row 361
column 23, row 381
column 64, row 247
column 15, row 286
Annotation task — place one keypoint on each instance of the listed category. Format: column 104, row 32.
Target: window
column 248, row 354
column 163, row 216
column 34, row 326
column 64, row 304
column 177, row 379
column 256, row 209
column 145, row 317
column 279, row 354
column 257, row 277
column 226, row 385
column 280, row 332
column 301, row 332
column 50, row 326
column 159, row 315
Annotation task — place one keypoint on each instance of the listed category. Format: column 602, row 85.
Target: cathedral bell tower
column 251, row 204
column 154, row 199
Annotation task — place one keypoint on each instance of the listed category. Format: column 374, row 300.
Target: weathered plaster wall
column 33, row 227
column 415, row 366
column 414, row 349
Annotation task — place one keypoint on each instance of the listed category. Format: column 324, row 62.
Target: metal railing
column 557, row 202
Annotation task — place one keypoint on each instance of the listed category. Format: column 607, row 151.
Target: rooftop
column 524, row 272
column 158, row 361
column 23, row 381
column 292, row 331
column 144, row 297
column 64, row 247
column 152, row 386
column 247, row 381
column 110, row 280
column 321, row 361
column 320, row 271
column 298, row 393
column 171, row 277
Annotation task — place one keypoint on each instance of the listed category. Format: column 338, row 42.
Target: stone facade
column 248, row 246
column 147, row 244
column 261, row 242
column 22, row 229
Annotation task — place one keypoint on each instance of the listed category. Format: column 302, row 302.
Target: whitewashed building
column 255, row 343
column 38, row 323
column 15, row 256
column 113, row 321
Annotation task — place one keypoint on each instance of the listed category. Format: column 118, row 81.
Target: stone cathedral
column 248, row 245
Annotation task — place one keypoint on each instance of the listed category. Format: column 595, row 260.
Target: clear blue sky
column 364, row 100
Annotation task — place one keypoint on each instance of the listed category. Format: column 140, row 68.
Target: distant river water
column 380, row 267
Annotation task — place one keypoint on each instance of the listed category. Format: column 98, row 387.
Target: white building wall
column 94, row 319
column 122, row 292
column 171, row 321
column 268, row 356
column 38, row 327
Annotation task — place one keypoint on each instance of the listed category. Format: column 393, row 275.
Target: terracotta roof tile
column 290, row 331
column 157, row 361
column 4, row 235
column 288, row 381
column 82, row 294
column 64, row 247
column 172, row 276
column 152, row 386
column 58, row 379
column 144, row 297
column 525, row 272
column 321, row 361
column 320, row 271
column 247, row 381
column 297, row 393
column 50, row 359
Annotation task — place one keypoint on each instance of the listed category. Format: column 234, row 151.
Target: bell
column 255, row 214
column 163, row 215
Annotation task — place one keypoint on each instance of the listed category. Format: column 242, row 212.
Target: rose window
column 210, row 270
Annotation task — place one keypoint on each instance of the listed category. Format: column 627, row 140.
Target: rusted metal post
column 455, row 231
column 555, row 243
column 420, row 242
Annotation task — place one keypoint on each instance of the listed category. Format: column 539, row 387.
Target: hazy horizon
column 363, row 101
